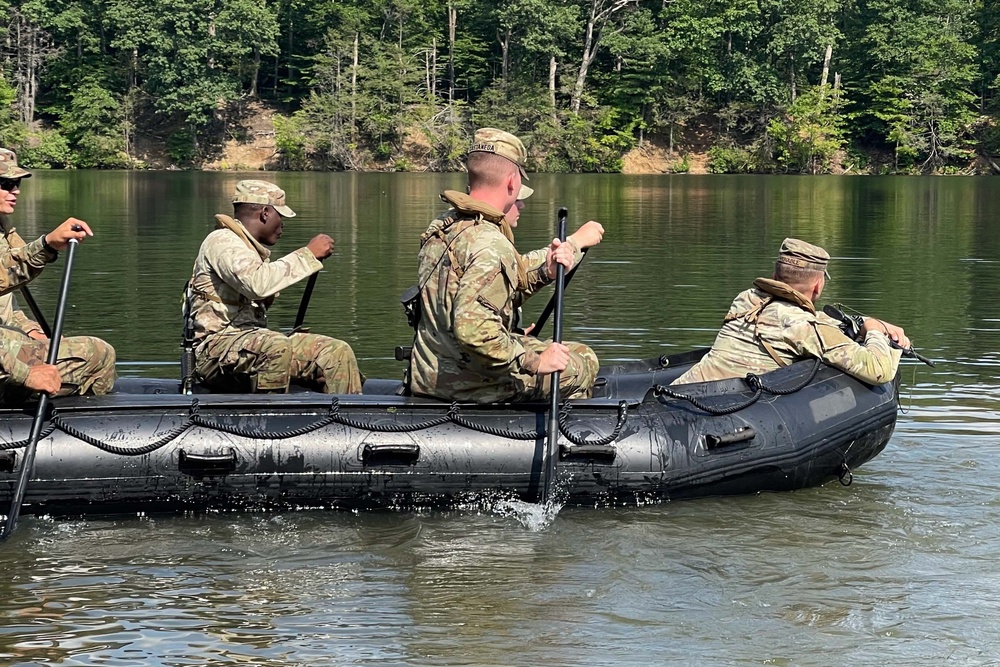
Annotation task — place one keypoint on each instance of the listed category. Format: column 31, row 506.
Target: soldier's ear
column 511, row 188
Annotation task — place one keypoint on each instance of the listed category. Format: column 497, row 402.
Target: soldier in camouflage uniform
column 775, row 323
column 86, row 364
column 233, row 285
column 472, row 279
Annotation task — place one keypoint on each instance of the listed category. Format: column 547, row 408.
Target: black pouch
column 411, row 305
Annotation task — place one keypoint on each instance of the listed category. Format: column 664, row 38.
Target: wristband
column 48, row 248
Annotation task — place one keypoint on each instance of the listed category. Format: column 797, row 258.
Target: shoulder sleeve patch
column 831, row 336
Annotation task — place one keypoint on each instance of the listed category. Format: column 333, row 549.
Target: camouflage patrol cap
column 804, row 255
column 262, row 192
column 504, row 144
column 525, row 192
column 9, row 167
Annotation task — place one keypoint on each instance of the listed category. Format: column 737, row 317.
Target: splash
column 533, row 516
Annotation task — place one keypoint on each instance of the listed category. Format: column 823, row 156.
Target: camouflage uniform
column 86, row 364
column 233, row 285
column 472, row 279
column 773, row 325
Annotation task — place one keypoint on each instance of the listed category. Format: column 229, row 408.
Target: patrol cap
column 262, row 192
column 9, row 167
column 504, row 144
column 525, row 192
column 796, row 252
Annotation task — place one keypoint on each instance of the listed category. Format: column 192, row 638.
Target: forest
column 752, row 86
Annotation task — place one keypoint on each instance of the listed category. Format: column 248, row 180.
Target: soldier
column 233, row 285
column 86, row 364
column 471, row 280
column 775, row 323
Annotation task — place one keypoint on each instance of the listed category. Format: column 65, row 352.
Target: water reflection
column 899, row 568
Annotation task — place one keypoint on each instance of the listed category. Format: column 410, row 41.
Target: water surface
column 899, row 568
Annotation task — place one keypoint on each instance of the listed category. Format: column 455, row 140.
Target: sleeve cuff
column 530, row 362
column 19, row 372
column 312, row 263
column 51, row 254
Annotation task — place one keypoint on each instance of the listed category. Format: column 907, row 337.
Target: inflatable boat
column 146, row 448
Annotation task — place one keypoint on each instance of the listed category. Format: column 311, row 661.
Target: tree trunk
column 600, row 12
column 255, row 71
column 290, row 45
column 791, row 77
column 452, row 23
column 354, row 88
column 211, row 35
column 589, row 51
column 434, row 67
column 504, row 39
column 826, row 67
column 427, row 75
column 552, row 87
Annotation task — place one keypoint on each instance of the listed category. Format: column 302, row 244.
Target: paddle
column 300, row 317
column 36, row 311
column 552, row 449
column 28, row 464
column 543, row 318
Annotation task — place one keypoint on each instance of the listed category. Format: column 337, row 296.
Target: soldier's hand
column 37, row 334
column 59, row 237
column 559, row 253
column 321, row 246
column 588, row 235
column 894, row 333
column 554, row 358
column 44, row 378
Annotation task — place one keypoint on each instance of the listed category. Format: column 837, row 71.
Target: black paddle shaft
column 28, row 464
column 552, row 449
column 300, row 317
column 36, row 311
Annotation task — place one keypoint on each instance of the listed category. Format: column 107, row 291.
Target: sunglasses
column 10, row 184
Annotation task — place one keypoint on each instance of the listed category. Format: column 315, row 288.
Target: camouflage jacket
column 23, row 262
column 793, row 330
column 464, row 347
column 20, row 262
column 234, row 282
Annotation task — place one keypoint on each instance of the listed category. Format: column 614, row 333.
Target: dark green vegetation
column 762, row 85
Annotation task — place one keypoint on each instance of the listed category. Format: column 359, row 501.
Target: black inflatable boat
column 147, row 448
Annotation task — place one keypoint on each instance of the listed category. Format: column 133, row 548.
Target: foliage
column 45, row 149
column 580, row 80
column 809, row 134
column 724, row 159
column 290, row 142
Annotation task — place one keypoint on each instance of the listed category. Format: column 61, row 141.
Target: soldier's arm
column 10, row 361
column 538, row 277
column 12, row 316
column 243, row 270
column 483, row 293
column 19, row 266
column 872, row 361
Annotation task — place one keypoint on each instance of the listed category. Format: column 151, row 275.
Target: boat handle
column 602, row 454
column 390, row 455
column 7, row 461
column 740, row 435
column 207, row 465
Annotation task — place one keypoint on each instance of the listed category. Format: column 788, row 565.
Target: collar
column 235, row 226
column 463, row 203
column 785, row 292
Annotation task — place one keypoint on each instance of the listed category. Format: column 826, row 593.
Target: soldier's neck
column 495, row 198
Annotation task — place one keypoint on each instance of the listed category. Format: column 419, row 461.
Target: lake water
column 899, row 568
